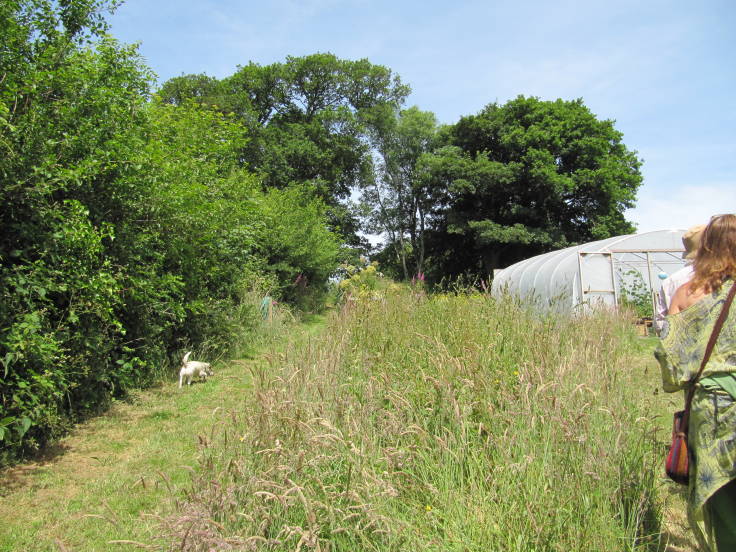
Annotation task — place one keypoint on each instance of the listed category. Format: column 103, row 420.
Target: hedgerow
column 129, row 229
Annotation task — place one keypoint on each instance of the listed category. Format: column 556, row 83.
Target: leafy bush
column 68, row 114
column 129, row 229
column 362, row 281
column 635, row 294
column 300, row 249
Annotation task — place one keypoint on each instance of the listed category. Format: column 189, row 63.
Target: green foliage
column 69, row 113
column 523, row 178
column 301, row 250
column 199, row 88
column 635, row 293
column 363, row 281
column 400, row 205
column 128, row 228
column 308, row 120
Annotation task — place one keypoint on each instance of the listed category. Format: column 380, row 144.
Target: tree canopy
column 398, row 202
column 523, row 178
column 308, row 120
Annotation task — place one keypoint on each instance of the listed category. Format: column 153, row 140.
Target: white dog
column 192, row 368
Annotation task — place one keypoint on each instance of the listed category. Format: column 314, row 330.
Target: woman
column 712, row 432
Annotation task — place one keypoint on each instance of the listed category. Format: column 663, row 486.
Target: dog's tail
column 186, row 358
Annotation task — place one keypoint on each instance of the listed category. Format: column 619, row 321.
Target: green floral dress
column 712, row 433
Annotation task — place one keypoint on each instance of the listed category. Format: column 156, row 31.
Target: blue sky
column 663, row 70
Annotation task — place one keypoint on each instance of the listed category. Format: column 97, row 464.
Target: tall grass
column 454, row 422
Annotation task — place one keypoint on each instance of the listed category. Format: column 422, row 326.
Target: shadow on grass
column 678, row 541
column 16, row 477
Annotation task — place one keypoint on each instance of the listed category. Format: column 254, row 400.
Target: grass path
column 110, row 478
column 677, row 534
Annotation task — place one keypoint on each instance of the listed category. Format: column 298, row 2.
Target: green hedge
column 129, row 229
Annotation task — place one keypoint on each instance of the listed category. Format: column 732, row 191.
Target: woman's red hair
column 715, row 260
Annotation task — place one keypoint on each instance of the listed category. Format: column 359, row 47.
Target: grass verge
column 107, row 485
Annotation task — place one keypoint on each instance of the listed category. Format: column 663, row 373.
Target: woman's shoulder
column 685, row 297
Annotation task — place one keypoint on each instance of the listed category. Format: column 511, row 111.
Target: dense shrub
column 128, row 229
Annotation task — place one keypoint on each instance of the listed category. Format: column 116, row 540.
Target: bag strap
column 708, row 350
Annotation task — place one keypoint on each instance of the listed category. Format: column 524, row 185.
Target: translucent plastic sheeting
column 594, row 273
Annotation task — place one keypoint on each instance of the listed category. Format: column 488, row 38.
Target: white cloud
column 686, row 206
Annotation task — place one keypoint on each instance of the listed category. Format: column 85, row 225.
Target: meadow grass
column 107, row 484
column 450, row 422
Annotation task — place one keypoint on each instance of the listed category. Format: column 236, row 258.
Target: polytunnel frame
column 645, row 256
column 587, row 284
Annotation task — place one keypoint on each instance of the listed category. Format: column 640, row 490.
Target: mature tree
column 527, row 177
column 399, row 201
column 308, row 120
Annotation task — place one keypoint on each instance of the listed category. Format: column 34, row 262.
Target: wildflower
column 428, row 508
column 418, row 279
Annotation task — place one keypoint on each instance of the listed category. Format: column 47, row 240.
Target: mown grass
column 114, row 476
column 455, row 422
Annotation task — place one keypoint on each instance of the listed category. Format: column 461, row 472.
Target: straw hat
column 691, row 241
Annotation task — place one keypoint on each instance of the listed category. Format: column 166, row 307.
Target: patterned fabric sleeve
column 713, row 416
column 684, row 338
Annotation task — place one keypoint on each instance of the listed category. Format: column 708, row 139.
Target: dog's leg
column 181, row 376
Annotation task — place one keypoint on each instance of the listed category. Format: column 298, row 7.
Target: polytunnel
column 595, row 273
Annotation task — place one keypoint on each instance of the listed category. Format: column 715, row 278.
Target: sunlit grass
column 115, row 475
column 455, row 422
column 448, row 422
